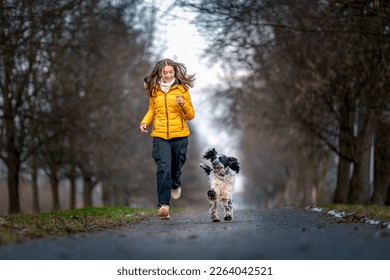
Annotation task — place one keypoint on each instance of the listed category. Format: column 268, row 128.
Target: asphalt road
column 275, row 234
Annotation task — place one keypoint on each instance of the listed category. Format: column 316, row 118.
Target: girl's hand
column 180, row 100
column 143, row 128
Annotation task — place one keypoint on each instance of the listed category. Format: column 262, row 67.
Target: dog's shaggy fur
column 221, row 176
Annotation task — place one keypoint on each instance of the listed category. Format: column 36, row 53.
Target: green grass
column 21, row 227
column 362, row 212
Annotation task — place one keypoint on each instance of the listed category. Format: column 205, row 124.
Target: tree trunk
column 387, row 201
column 106, row 194
column 12, row 161
column 364, row 177
column 344, row 165
column 13, row 184
column 54, row 188
column 309, row 183
column 72, row 193
column 343, row 176
column 35, row 193
column 360, row 186
column 73, row 190
column 89, row 184
column 381, row 166
column 13, row 166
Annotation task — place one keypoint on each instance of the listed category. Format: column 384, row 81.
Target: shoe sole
column 175, row 197
column 165, row 217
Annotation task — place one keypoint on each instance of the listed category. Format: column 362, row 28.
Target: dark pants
column 170, row 156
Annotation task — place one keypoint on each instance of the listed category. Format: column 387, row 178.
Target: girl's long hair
column 181, row 75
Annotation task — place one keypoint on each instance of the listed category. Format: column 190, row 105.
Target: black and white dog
column 221, row 177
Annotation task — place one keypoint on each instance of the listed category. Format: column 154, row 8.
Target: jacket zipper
column 166, row 113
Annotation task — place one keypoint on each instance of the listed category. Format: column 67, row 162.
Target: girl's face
column 168, row 73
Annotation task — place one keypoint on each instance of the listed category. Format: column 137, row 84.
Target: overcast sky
column 177, row 38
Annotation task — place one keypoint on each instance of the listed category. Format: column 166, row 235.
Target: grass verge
column 361, row 212
column 22, row 227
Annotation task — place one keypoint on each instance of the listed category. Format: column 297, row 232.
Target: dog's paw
column 211, row 194
column 215, row 220
column 228, row 217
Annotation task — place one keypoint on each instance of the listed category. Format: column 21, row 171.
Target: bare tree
column 68, row 70
column 23, row 27
column 108, row 57
column 314, row 74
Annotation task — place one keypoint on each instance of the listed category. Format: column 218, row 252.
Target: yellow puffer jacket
column 169, row 119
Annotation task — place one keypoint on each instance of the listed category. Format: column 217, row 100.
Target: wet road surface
column 275, row 234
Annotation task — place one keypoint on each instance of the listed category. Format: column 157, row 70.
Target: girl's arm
column 149, row 116
column 188, row 111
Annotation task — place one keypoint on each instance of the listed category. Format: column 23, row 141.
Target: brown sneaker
column 175, row 193
column 163, row 212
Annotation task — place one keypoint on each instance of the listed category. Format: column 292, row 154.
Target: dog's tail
column 206, row 168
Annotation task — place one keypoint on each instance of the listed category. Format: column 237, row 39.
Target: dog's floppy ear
column 206, row 168
column 233, row 164
column 210, row 154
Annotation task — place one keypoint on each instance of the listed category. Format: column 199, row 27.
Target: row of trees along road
column 312, row 97
column 70, row 72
